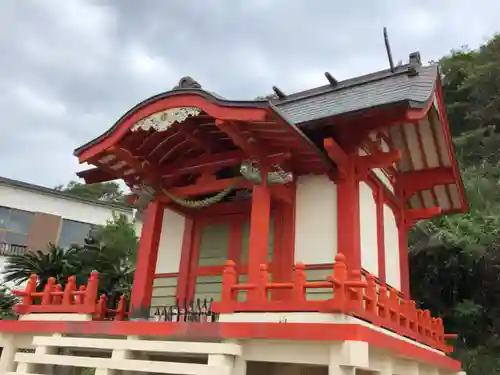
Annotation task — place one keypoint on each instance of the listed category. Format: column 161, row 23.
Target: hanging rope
column 146, row 194
column 248, row 169
column 189, row 203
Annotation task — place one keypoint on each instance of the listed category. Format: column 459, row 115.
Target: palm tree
column 56, row 262
column 7, row 302
column 111, row 250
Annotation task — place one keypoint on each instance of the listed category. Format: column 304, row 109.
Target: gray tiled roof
column 360, row 93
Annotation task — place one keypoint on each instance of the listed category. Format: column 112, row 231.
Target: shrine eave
column 211, row 126
column 242, row 104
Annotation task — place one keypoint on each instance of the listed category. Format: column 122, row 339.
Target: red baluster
column 57, row 297
column 420, row 322
column 101, row 307
column 120, row 310
column 339, row 278
column 229, row 279
column 263, row 281
column 67, row 299
column 412, row 316
column 29, row 290
column 394, row 306
column 91, row 290
column 440, row 333
column 299, row 282
column 371, row 295
column 403, row 314
column 382, row 302
column 47, row 291
column 427, row 324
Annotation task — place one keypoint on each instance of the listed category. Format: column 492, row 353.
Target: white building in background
column 33, row 216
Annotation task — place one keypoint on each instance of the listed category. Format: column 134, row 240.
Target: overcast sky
column 70, row 68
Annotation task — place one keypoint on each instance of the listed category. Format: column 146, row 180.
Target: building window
column 15, row 226
column 74, row 233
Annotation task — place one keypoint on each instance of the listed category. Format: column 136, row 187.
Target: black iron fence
column 184, row 311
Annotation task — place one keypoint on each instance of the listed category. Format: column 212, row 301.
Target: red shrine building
column 274, row 236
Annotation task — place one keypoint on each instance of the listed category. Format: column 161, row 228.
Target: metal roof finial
column 388, row 50
column 331, row 79
column 280, row 94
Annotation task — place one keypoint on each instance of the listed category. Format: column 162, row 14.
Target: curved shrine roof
column 266, row 127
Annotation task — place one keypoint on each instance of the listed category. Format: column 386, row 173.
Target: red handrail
column 352, row 294
column 54, row 299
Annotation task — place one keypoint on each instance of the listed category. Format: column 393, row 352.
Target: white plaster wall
column 391, row 240
column 315, row 220
column 368, row 229
column 384, row 178
column 64, row 207
column 172, row 234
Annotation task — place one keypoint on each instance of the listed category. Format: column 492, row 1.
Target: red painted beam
column 248, row 144
column 338, row 155
column 204, row 188
column 193, row 133
column 377, row 160
column 412, row 182
column 95, row 175
column 422, row 213
column 143, row 168
column 215, row 161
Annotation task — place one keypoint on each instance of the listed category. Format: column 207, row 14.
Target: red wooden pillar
column 380, row 201
column 404, row 266
column 259, row 233
column 142, row 289
column 402, row 224
column 348, row 223
column 284, row 248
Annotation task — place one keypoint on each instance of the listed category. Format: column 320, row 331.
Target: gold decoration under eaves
column 162, row 121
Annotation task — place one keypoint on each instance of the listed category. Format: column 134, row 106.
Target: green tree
column 455, row 260
column 111, row 250
column 55, row 262
column 7, row 302
column 103, row 191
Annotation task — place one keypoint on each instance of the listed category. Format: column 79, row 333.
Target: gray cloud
column 70, row 68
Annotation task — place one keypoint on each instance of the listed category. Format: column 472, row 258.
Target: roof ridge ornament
column 187, row 82
column 415, row 61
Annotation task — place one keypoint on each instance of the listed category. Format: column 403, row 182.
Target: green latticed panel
column 214, row 245
column 246, row 241
column 164, row 292
column 319, row 293
column 209, row 287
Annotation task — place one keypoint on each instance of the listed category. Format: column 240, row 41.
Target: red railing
column 70, row 299
column 351, row 295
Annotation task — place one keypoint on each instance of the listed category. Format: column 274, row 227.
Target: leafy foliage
column 7, row 302
column 111, row 250
column 456, row 274
column 56, row 262
column 102, row 191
